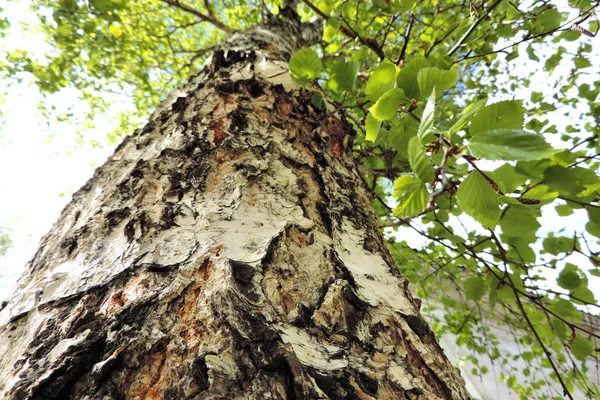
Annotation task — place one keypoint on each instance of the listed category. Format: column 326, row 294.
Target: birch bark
column 228, row 250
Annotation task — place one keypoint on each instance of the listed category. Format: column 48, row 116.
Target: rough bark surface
column 226, row 251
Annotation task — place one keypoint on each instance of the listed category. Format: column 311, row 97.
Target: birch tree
column 248, row 240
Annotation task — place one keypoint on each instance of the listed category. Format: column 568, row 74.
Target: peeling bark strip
column 226, row 251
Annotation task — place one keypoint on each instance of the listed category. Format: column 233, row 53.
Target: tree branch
column 203, row 17
column 347, row 30
column 472, row 28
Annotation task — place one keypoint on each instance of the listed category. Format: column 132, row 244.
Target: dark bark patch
column 69, row 245
column 63, row 382
column 114, row 217
column 141, row 222
column 243, row 275
column 222, row 59
column 200, row 373
column 168, row 216
column 335, row 387
column 281, row 365
column 238, row 121
column 368, row 384
column 228, row 87
column 253, row 87
column 175, row 188
column 418, row 326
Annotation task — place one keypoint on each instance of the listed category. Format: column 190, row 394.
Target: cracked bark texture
column 228, row 250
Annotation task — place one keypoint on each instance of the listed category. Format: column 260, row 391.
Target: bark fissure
column 226, row 250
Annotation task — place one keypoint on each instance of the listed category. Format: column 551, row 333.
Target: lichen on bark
column 228, row 250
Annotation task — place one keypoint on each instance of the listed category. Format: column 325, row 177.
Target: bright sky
column 39, row 175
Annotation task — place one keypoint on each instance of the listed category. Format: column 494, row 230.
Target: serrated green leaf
column 502, row 115
column 563, row 210
column 569, row 280
column 548, row 20
column 519, row 223
column 387, row 105
column 508, row 178
column 555, row 245
column 563, row 308
column 412, row 196
column 509, row 144
column 559, row 327
column 401, row 6
column 382, row 79
column 582, row 294
column 474, row 288
column 419, row 162
column 582, row 347
column 407, row 77
column 531, row 54
column 401, row 134
column 425, row 132
column 593, row 228
column 344, row 75
column 372, row 126
column 305, row 65
column 476, row 197
column 466, row 115
column 562, row 179
column 440, row 79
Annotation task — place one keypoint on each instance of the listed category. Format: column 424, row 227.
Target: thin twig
column 203, row 17
column 348, row 31
column 472, row 28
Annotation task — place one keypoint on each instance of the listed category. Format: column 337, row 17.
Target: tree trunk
column 226, row 251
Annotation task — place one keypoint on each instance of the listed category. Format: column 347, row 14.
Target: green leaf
column 519, row 223
column 466, row 115
column 508, row 178
column 344, row 75
column 425, row 132
column 593, row 228
column 582, row 294
column 582, row 347
column 412, row 196
column 548, row 20
column 474, row 288
column 430, row 78
column 555, row 245
column 381, row 80
column 569, row 280
column 372, row 126
column 401, row 134
column 531, row 54
column 419, row 162
column 502, row 115
column 563, row 210
column 401, row 6
column 476, row 197
column 560, row 328
column 318, row 101
column 563, row 308
column 562, row 179
column 407, row 77
column 387, row 105
column 305, row 65
column 509, row 144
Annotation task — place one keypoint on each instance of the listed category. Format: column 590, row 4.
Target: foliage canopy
column 474, row 123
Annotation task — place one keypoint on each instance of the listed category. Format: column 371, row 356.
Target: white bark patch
column 376, row 283
column 322, row 356
column 277, row 72
column 64, row 345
